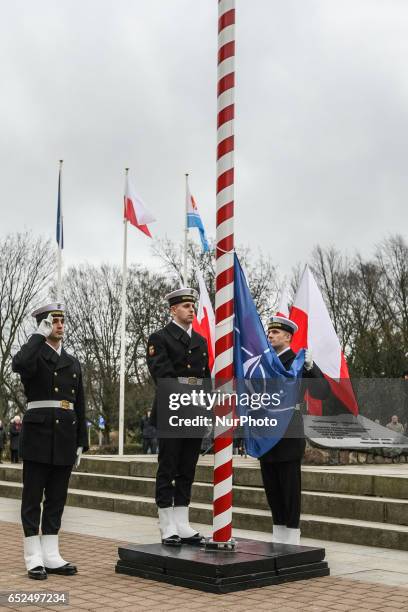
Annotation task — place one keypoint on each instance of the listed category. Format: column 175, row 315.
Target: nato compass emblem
column 254, row 371
column 256, row 379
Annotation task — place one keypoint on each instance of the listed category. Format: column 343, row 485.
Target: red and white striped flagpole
column 224, row 297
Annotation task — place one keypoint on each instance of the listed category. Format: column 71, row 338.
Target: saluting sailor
column 54, row 435
column 281, row 466
column 177, row 352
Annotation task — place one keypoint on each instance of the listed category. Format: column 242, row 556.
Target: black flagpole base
column 251, row 564
column 210, row 544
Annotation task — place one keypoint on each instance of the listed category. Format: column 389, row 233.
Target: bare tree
column 93, row 333
column 333, row 273
column 367, row 300
column 26, row 269
column 260, row 271
column 147, row 312
column 93, row 296
column 294, row 281
column 368, row 303
column 391, row 299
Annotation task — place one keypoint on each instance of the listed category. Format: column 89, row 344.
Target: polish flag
column 204, row 321
column 135, row 210
column 316, row 332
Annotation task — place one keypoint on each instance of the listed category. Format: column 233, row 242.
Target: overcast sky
column 321, row 129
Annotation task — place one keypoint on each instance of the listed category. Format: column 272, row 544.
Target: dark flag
column 60, row 227
column 258, row 370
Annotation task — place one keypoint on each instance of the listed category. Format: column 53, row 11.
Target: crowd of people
column 11, row 435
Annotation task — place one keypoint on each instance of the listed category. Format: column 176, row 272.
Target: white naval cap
column 185, row 294
column 283, row 323
column 55, row 308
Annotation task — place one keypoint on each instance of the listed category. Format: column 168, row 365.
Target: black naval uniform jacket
column 171, row 353
column 51, row 435
column 292, row 446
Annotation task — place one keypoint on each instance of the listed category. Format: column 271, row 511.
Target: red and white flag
column 135, row 210
column 204, row 321
column 316, row 332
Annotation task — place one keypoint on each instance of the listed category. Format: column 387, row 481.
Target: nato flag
column 267, row 392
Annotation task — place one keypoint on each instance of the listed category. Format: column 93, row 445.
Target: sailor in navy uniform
column 281, row 466
column 179, row 353
column 53, row 437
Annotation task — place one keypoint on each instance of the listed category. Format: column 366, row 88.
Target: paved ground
column 363, row 578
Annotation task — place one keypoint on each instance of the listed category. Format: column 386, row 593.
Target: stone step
column 368, row 533
column 365, row 481
column 358, row 507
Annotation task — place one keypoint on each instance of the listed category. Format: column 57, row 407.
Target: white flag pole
column 123, row 339
column 185, row 268
column 60, row 220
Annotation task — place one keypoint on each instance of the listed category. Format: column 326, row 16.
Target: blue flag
column 259, row 371
column 60, row 227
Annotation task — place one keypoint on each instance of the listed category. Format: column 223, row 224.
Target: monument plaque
column 351, row 432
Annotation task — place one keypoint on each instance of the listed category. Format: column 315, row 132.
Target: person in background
column 405, row 400
column 395, row 425
column 149, row 434
column 3, row 438
column 14, row 432
column 239, row 447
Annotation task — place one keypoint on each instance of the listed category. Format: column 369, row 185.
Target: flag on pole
column 194, row 219
column 60, row 225
column 316, row 332
column 135, row 210
column 137, row 214
column 204, row 321
column 258, row 368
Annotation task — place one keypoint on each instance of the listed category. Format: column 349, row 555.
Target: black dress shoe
column 37, row 573
column 173, row 540
column 65, row 570
column 195, row 540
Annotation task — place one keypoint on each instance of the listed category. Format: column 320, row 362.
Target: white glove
column 79, row 456
column 45, row 327
column 308, row 359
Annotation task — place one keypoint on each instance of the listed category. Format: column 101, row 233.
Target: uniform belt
column 65, row 404
column 191, row 380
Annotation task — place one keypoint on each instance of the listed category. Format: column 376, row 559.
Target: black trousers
column 42, row 480
column 149, row 443
column 175, row 473
column 14, row 456
column 283, row 488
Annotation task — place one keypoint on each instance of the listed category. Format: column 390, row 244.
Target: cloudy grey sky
column 321, row 129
